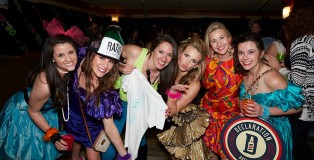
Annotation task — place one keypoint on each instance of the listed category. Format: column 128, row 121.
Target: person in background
column 300, row 32
column 185, row 86
column 29, row 121
column 135, row 39
column 93, row 31
column 277, row 48
column 257, row 27
column 267, row 88
column 221, row 84
column 151, row 63
column 93, row 98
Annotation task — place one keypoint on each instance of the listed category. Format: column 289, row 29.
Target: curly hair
column 300, row 22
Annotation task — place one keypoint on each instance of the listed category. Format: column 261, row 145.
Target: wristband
column 125, row 157
column 49, row 133
column 173, row 95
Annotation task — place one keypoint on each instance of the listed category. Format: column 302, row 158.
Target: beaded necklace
column 253, row 87
column 66, row 119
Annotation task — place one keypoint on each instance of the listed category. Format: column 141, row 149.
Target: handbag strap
column 86, row 127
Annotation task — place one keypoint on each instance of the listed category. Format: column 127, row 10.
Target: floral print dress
column 220, row 100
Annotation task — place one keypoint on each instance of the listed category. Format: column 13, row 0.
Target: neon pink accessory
column 173, row 95
column 54, row 28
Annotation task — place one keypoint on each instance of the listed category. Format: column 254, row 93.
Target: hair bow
column 54, row 28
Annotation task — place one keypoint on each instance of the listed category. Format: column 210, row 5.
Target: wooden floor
column 13, row 71
column 155, row 151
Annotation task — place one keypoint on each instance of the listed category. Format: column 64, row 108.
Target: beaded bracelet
column 125, row 157
column 49, row 133
column 266, row 112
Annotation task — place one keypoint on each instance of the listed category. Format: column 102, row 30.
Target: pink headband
column 54, row 28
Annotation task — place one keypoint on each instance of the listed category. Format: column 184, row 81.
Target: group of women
column 87, row 100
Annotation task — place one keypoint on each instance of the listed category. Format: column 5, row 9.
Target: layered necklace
column 252, row 87
column 68, row 105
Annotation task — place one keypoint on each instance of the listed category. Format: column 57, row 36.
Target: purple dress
column 110, row 104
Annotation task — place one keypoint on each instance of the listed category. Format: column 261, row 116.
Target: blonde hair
column 196, row 73
column 212, row 27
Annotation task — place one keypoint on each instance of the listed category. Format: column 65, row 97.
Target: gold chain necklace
column 253, row 87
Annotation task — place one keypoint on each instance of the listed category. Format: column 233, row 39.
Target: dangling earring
column 212, row 53
column 230, row 50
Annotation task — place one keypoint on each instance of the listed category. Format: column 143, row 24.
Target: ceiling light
column 285, row 12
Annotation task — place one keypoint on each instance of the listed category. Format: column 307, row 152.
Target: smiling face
column 219, row 41
column 162, row 55
column 64, row 57
column 189, row 59
column 101, row 65
column 249, row 55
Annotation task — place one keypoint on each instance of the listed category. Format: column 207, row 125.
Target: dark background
column 21, row 34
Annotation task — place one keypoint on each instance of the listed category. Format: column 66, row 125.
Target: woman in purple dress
column 93, row 99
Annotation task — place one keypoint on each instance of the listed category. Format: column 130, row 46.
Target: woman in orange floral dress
column 221, row 84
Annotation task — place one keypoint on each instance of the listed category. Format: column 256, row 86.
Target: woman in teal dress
column 28, row 125
column 273, row 96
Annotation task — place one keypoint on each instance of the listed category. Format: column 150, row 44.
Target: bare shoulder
column 274, row 80
column 41, row 87
column 131, row 51
column 196, row 85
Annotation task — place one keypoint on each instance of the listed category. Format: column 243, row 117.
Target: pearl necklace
column 68, row 117
column 59, row 69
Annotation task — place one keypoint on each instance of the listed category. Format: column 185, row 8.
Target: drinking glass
column 245, row 102
column 281, row 57
column 69, row 139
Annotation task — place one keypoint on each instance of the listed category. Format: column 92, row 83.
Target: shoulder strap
column 86, row 127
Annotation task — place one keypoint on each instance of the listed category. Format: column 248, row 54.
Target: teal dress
column 20, row 138
column 286, row 99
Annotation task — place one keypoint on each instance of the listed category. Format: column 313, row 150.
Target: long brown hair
column 299, row 23
column 57, row 84
column 105, row 83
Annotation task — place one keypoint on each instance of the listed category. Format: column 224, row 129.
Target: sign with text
column 247, row 138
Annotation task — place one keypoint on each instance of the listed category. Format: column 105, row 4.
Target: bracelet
column 266, row 112
column 173, row 95
column 49, row 133
column 125, row 157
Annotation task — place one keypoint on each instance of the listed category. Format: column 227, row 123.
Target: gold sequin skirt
column 184, row 140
